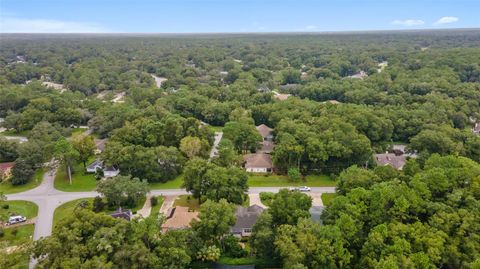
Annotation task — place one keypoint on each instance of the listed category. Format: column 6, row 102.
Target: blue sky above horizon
column 206, row 16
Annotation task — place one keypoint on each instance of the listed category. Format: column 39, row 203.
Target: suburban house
column 178, row 217
column 246, row 218
column 5, row 170
column 261, row 161
column 258, row 163
column 122, row 214
column 267, row 135
column 110, row 171
column 396, row 161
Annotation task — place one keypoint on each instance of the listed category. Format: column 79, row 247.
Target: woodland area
column 350, row 96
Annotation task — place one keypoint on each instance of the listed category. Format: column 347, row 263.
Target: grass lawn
column 327, row 198
column 18, row 235
column 216, row 128
column 24, row 208
column 66, row 209
column 175, row 183
column 282, row 181
column 7, row 188
column 14, row 133
column 187, row 201
column 156, row 209
column 81, row 181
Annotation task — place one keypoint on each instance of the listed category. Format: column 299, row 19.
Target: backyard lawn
column 24, row 208
column 81, row 181
column 7, row 188
column 175, row 183
column 187, row 201
column 282, row 181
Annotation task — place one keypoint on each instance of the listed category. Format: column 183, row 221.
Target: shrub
column 98, row 204
column 154, row 200
column 294, row 174
column 232, row 247
column 5, row 206
column 267, row 197
column 2, row 232
column 14, row 232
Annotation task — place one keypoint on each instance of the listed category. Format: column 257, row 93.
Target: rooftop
column 264, row 130
column 246, row 217
column 179, row 217
column 396, row 161
column 258, row 160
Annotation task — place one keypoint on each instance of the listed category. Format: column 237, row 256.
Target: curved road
column 48, row 199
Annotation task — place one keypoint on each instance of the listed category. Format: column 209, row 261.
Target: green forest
column 336, row 104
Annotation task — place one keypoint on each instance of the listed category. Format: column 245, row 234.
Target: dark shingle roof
column 246, row 218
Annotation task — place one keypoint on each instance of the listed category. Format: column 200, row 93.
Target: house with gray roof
column 246, row 218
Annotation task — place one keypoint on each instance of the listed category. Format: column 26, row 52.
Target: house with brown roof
column 258, row 163
column 246, row 218
column 179, row 217
column 267, row 144
column 5, row 170
column 392, row 159
column 265, row 131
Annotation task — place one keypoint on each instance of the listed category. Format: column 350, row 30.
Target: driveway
column 218, row 138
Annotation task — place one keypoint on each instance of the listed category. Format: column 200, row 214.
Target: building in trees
column 109, row 171
column 246, row 219
column 179, row 217
column 258, row 163
column 5, row 170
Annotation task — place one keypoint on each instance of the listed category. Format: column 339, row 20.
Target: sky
column 233, row 16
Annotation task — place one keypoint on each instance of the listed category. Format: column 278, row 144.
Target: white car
column 304, row 189
column 16, row 219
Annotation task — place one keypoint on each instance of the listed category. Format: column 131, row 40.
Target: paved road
column 48, row 199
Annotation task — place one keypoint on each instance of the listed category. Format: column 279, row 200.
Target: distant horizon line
column 246, row 33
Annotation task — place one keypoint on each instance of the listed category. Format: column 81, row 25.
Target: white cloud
column 409, row 22
column 19, row 25
column 311, row 27
column 446, row 20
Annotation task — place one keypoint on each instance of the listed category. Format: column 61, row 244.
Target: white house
column 110, row 171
